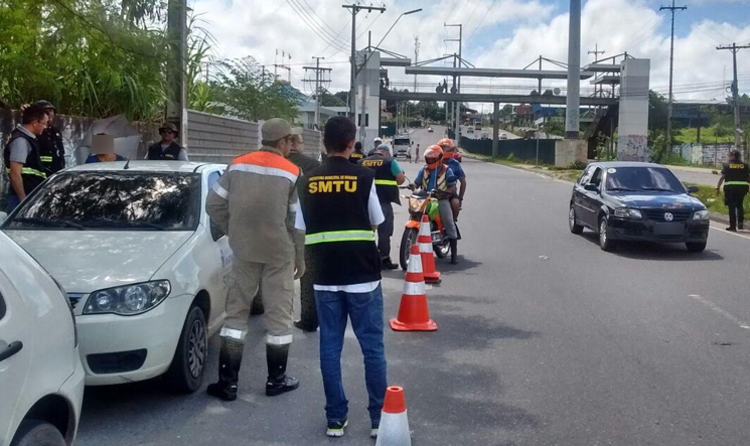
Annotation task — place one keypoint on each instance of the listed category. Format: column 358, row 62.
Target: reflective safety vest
column 32, row 172
column 736, row 174
column 51, row 150
column 440, row 184
column 339, row 234
column 172, row 153
column 385, row 182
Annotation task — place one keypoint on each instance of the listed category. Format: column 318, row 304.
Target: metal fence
column 521, row 149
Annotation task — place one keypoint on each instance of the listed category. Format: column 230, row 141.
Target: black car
column 637, row 202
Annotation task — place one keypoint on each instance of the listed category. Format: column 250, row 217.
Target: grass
column 714, row 203
column 690, row 136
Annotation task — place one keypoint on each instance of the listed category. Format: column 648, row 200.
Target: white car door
column 15, row 353
column 221, row 257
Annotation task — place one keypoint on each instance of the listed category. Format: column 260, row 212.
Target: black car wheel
column 696, row 246
column 37, row 433
column 605, row 242
column 575, row 228
column 185, row 375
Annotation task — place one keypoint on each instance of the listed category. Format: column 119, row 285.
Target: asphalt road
column 543, row 339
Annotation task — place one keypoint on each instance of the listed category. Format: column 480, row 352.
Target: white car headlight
column 129, row 299
column 701, row 215
column 628, row 213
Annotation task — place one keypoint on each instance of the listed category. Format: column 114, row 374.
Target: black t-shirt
column 735, row 172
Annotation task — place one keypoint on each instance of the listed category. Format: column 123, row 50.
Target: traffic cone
column 413, row 314
column 431, row 274
column 394, row 424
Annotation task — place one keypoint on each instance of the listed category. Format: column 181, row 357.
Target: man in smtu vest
column 736, row 176
column 255, row 204
column 388, row 176
column 436, row 176
column 21, row 155
column 341, row 211
column 167, row 149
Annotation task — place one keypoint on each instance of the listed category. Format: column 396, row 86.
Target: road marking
column 727, row 315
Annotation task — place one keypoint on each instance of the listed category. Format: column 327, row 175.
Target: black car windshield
column 643, row 179
column 113, row 201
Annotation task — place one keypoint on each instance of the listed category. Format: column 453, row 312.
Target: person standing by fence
column 21, row 155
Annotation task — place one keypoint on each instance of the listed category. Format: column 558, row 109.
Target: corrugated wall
column 220, row 139
column 313, row 142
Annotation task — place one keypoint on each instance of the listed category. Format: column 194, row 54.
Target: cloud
column 512, row 34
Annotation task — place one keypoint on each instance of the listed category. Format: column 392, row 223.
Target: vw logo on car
column 668, row 216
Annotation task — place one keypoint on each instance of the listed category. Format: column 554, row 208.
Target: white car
column 144, row 270
column 503, row 136
column 41, row 376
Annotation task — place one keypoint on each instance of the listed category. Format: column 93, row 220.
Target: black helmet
column 45, row 105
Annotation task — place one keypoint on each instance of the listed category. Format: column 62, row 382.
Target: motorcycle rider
column 450, row 151
column 437, row 176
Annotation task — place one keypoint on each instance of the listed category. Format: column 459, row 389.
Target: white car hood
column 86, row 261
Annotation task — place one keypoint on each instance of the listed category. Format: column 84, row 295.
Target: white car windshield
column 113, row 201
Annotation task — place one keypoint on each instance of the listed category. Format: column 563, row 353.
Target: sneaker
column 336, row 428
column 731, row 229
column 285, row 384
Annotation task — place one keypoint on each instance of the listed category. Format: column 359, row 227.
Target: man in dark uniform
column 736, row 178
column 388, row 176
column 167, row 149
column 357, row 155
column 21, row 155
column 51, row 148
column 341, row 210
column 308, row 314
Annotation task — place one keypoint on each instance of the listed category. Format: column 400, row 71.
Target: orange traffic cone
column 413, row 314
column 431, row 274
column 394, row 424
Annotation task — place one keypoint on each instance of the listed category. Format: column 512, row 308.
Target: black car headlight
column 701, row 215
column 128, row 300
column 628, row 213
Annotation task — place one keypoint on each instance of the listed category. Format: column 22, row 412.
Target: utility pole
column 573, row 99
column 416, row 58
column 596, row 53
column 457, row 104
column 177, row 68
column 352, row 88
column 318, row 81
column 672, row 9
column 734, row 48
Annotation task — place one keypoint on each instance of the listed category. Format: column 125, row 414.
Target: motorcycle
column 423, row 203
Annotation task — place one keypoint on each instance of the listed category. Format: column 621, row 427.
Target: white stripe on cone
column 414, row 289
column 394, row 430
column 424, row 229
column 415, row 264
column 425, row 248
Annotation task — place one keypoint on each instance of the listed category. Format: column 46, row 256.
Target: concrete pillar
column 496, row 131
column 632, row 143
column 573, row 100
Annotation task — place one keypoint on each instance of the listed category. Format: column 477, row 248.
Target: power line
column 481, row 21
column 315, row 28
column 340, row 41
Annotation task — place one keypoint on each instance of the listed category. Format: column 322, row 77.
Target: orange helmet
column 433, row 156
column 446, row 143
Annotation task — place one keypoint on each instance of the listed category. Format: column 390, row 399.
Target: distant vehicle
column 478, row 126
column 41, row 375
column 470, row 130
column 486, row 135
column 429, row 130
column 503, row 136
column 402, row 146
column 145, row 271
column 629, row 201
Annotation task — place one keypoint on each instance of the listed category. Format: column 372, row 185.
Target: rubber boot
column 454, row 251
column 230, row 358
column 278, row 382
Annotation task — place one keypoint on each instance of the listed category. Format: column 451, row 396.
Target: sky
column 496, row 34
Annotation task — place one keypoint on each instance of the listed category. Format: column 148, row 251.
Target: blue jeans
column 366, row 313
column 13, row 202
